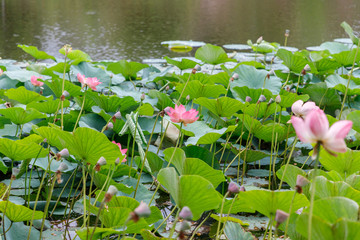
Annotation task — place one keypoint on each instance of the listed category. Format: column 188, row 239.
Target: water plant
column 208, row 147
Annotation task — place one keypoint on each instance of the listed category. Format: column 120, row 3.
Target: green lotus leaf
column 183, row 64
column 193, row 166
column 222, row 107
column 127, row 69
column 196, row 89
column 234, row 231
column 212, row 55
column 35, row 52
column 294, row 61
column 24, row 96
column 344, row 163
column 77, row 56
column 18, row 213
column 20, row 116
column 19, row 150
column 267, row 202
column 190, row 190
column 49, row 107
column 254, row 78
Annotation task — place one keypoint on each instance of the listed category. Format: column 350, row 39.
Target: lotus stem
column 313, row 185
column 221, row 212
column 349, row 79
column 82, row 108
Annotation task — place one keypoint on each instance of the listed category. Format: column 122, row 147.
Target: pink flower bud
column 117, row 115
column 186, row 213
column 259, row 40
column 278, row 99
column 142, row 210
column 187, row 97
column 62, row 167
column 248, row 99
column 287, row 33
column 167, row 88
column 62, row 154
column 262, row 98
column 281, row 216
column 233, row 187
column 110, row 126
column 100, row 162
column 15, row 172
column 235, row 76
column 142, row 97
column 110, row 193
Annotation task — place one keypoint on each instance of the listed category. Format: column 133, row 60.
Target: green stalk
column 147, row 150
column 312, row 195
column 167, row 217
column 288, row 219
column 287, row 163
column 47, row 204
column 174, row 224
column 348, row 83
column 221, row 212
column 198, row 227
column 82, row 107
column 62, row 90
column 37, row 197
column 84, row 195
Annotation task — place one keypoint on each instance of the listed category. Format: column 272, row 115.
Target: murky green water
column 133, row 29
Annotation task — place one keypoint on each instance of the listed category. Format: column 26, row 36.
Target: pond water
column 134, row 29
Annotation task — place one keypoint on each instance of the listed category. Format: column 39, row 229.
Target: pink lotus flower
column 315, row 129
column 34, row 81
column 123, row 151
column 1, row 71
column 301, row 110
column 90, row 82
column 180, row 115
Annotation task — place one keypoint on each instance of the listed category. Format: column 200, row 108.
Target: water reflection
column 133, row 29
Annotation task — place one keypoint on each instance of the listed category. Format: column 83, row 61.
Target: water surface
column 134, row 29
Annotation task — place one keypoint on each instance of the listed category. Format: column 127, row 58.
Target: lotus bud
column 186, row 213
column 301, row 181
column 100, row 162
column 270, row 101
column 242, row 189
column 262, row 98
column 287, row 33
column 1, row 72
column 280, row 217
column 306, row 69
column 187, row 97
column 117, row 115
column 117, row 161
column 15, row 172
column 66, row 93
column 62, row 154
column 142, row 210
column 109, row 126
column 196, row 68
column 142, row 98
column 167, row 88
column 259, row 40
column 62, row 167
column 67, row 49
column 278, row 99
column 110, row 193
column 233, row 187
column 248, row 99
column 235, row 76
